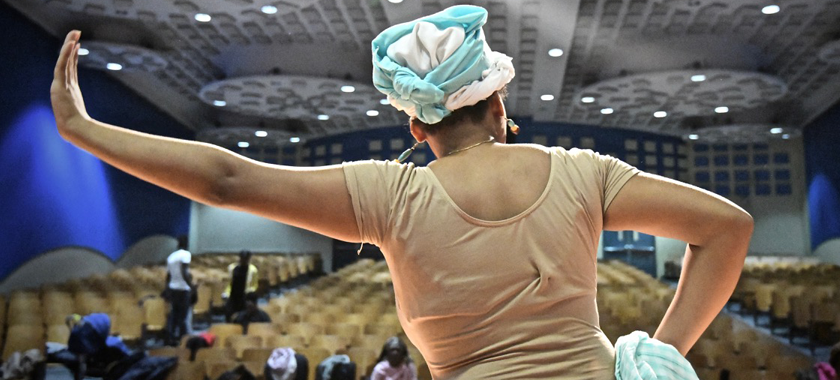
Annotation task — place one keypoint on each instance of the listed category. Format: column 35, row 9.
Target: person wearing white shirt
column 178, row 291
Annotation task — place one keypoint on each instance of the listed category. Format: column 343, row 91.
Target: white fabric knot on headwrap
column 437, row 64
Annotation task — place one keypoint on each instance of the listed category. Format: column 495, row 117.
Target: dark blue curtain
column 51, row 193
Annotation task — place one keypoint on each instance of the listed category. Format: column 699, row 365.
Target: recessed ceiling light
column 770, row 9
column 323, row 117
column 261, row 133
column 775, row 131
column 660, row 114
column 693, row 137
column 395, row 1
column 547, row 97
column 555, row 52
column 269, row 9
column 698, row 78
column 607, row 111
column 243, row 144
column 372, row 113
column 113, row 66
column 384, row 102
column 294, row 139
column 723, row 109
column 219, row 103
column 202, row 17
column 83, row 51
column 587, row 99
column 348, row 89
column 785, row 136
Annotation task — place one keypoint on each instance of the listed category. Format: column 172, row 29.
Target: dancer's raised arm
column 717, row 232
column 315, row 199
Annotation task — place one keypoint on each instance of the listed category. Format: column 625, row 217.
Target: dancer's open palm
column 65, row 94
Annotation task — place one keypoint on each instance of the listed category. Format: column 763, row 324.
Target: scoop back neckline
column 496, row 223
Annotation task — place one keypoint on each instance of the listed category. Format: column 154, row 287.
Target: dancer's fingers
column 74, row 65
column 63, row 56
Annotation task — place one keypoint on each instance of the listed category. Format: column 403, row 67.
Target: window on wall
column 721, row 160
column 419, row 158
column 631, row 144
column 540, row 139
column 650, row 146
column 397, row 144
column 320, row 151
column 335, row 149
column 742, row 190
column 702, row 177
column 701, row 161
column 650, row 160
column 668, row 148
column 781, row 158
column 761, row 159
column 782, row 175
column 335, row 161
column 741, row 160
column 668, row 161
column 632, row 159
column 701, row 148
column 587, row 143
column 565, row 142
column 375, row 145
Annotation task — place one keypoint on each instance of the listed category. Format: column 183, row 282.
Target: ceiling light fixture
column 395, row 1
column 776, row 130
column 261, row 133
column 723, row 109
column 202, row 17
column 323, row 117
column 607, row 111
column 243, row 144
column 219, row 103
column 384, row 102
column 113, row 66
column 547, row 97
column 348, row 89
column 555, row 53
column 587, row 99
column 372, row 113
column 83, row 51
column 785, row 136
column 693, row 137
column 294, row 140
column 660, row 114
column 269, row 9
column 770, row 9
column 698, row 78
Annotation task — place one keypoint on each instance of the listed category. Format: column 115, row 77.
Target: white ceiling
column 279, row 72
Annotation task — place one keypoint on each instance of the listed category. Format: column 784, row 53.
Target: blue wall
column 822, row 166
column 53, row 194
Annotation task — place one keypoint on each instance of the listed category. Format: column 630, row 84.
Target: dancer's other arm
column 315, row 199
column 718, row 235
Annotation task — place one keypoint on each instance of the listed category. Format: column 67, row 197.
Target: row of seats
column 629, row 299
column 800, row 295
column 351, row 311
column 28, row 318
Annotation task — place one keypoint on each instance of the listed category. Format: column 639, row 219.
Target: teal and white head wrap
column 434, row 65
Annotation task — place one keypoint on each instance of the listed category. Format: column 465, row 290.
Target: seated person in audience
column 90, row 349
column 243, row 281
column 823, row 370
column 394, row 363
column 252, row 313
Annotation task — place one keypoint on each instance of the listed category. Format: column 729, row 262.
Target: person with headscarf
column 394, row 362
column 492, row 247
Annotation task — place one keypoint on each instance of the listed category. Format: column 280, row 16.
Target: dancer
column 492, row 247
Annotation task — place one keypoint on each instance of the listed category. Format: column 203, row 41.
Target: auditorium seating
column 798, row 294
column 352, row 311
column 131, row 297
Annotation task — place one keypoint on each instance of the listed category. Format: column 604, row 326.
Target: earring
column 404, row 156
column 513, row 127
